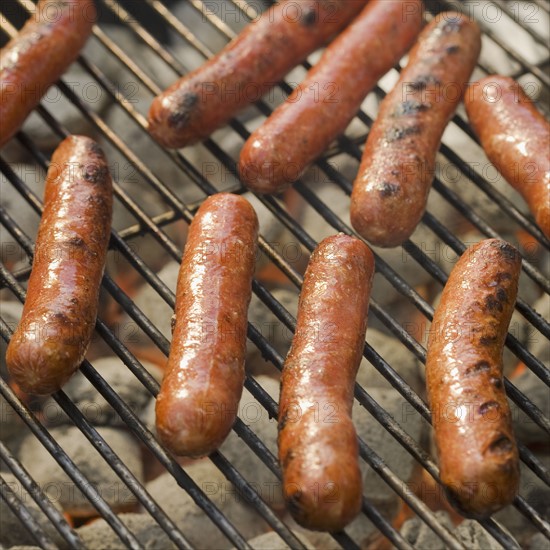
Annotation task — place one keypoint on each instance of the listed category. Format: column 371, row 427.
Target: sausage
column 322, row 106
column 478, row 456
column 397, row 168
column 317, row 442
column 69, row 258
column 202, row 101
column 516, row 138
column 198, row 399
column 34, row 59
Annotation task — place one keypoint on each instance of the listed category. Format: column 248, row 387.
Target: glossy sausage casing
column 478, row 456
column 198, row 399
column 396, row 172
column 516, row 138
column 321, row 107
column 69, row 258
column 202, row 101
column 318, row 448
column 42, row 51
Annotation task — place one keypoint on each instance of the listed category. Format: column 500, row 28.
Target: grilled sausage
column 391, row 189
column 198, row 399
column 478, row 457
column 202, row 101
column 321, row 107
column 318, row 448
column 516, row 138
column 33, row 60
column 69, row 258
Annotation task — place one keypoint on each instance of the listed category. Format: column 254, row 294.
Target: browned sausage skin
column 198, row 399
column 33, row 60
column 69, row 258
column 391, row 188
column 318, row 448
column 478, row 457
column 516, row 138
column 321, row 107
column 202, row 101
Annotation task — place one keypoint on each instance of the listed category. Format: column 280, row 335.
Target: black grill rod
column 529, row 408
column 107, row 453
column 61, row 457
column 503, row 5
column 23, row 514
column 504, row 203
column 438, row 6
column 52, row 513
column 181, row 477
column 487, row 230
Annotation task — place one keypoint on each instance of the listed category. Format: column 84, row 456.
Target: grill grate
column 175, row 210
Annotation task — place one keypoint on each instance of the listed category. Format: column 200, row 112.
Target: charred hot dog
column 198, row 399
column 516, row 138
column 478, row 457
column 318, row 448
column 391, row 189
column 42, row 51
column 69, row 258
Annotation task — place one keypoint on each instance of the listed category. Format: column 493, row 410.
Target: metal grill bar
column 58, row 521
column 19, row 509
column 181, row 211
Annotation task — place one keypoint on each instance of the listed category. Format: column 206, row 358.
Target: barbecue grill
column 145, row 231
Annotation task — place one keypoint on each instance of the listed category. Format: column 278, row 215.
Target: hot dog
column 391, row 188
column 198, row 399
column 202, row 101
column 516, row 138
column 318, row 448
column 321, row 107
column 69, row 258
column 478, row 457
column 33, row 60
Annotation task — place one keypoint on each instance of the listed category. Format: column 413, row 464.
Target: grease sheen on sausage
column 396, row 172
column 478, row 456
column 198, row 399
column 318, row 448
column 69, row 258
column 322, row 106
column 516, row 139
column 41, row 52
column 202, row 101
